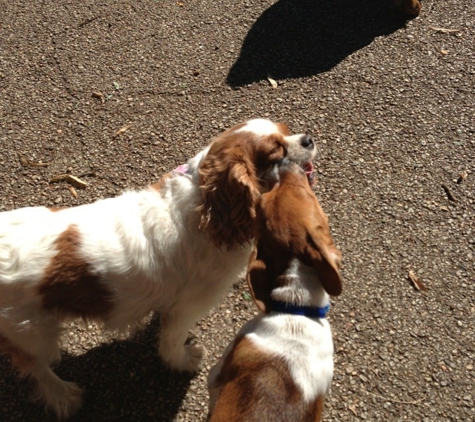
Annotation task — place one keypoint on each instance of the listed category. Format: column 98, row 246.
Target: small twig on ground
column 448, row 193
column 73, row 192
column 445, row 30
column 28, row 163
column 73, row 180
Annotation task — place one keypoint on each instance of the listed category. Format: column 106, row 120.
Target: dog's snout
column 307, row 141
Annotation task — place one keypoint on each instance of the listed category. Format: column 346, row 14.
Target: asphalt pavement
column 118, row 93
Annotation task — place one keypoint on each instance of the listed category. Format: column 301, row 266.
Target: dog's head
column 291, row 225
column 240, row 165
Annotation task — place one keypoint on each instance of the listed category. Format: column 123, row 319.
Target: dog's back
column 263, row 386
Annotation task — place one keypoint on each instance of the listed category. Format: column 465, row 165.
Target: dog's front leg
column 175, row 325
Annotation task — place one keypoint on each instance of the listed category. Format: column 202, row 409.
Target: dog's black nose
column 307, row 141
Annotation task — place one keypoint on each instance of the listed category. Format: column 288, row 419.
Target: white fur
column 150, row 253
column 302, row 291
column 260, row 127
column 308, row 354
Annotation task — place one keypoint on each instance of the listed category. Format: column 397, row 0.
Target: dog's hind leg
column 32, row 351
column 63, row 397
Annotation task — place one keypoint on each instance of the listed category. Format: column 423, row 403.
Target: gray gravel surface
column 391, row 105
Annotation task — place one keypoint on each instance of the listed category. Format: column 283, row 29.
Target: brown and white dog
column 173, row 248
column 280, row 365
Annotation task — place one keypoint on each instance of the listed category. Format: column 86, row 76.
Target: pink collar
column 181, row 170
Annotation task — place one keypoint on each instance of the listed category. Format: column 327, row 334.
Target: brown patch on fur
column 69, row 286
column 230, row 184
column 283, row 128
column 21, row 360
column 257, row 387
column 318, row 408
column 56, row 209
column 158, row 186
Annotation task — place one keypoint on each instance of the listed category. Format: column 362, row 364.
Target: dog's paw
column 71, row 401
column 193, row 357
column 189, row 360
column 64, row 399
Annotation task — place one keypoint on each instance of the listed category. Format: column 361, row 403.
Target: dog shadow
column 298, row 38
column 123, row 380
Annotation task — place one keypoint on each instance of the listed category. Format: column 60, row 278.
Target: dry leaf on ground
column 462, row 177
column 417, row 282
column 99, row 95
column 122, row 130
column 273, row 82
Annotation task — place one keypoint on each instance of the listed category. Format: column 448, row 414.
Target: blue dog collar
column 308, row 311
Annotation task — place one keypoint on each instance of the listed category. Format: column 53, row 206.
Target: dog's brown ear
column 326, row 259
column 258, row 282
column 230, row 191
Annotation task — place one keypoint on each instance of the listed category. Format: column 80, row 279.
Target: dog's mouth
column 309, row 171
column 272, row 177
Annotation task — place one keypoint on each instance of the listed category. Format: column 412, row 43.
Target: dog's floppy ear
column 258, row 282
column 230, row 191
column 325, row 258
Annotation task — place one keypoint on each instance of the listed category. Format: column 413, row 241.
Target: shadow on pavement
column 297, row 38
column 123, row 381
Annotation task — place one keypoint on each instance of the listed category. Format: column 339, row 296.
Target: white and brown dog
column 280, row 365
column 173, row 248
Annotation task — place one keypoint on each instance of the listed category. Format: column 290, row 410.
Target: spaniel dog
column 173, row 248
column 280, row 365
